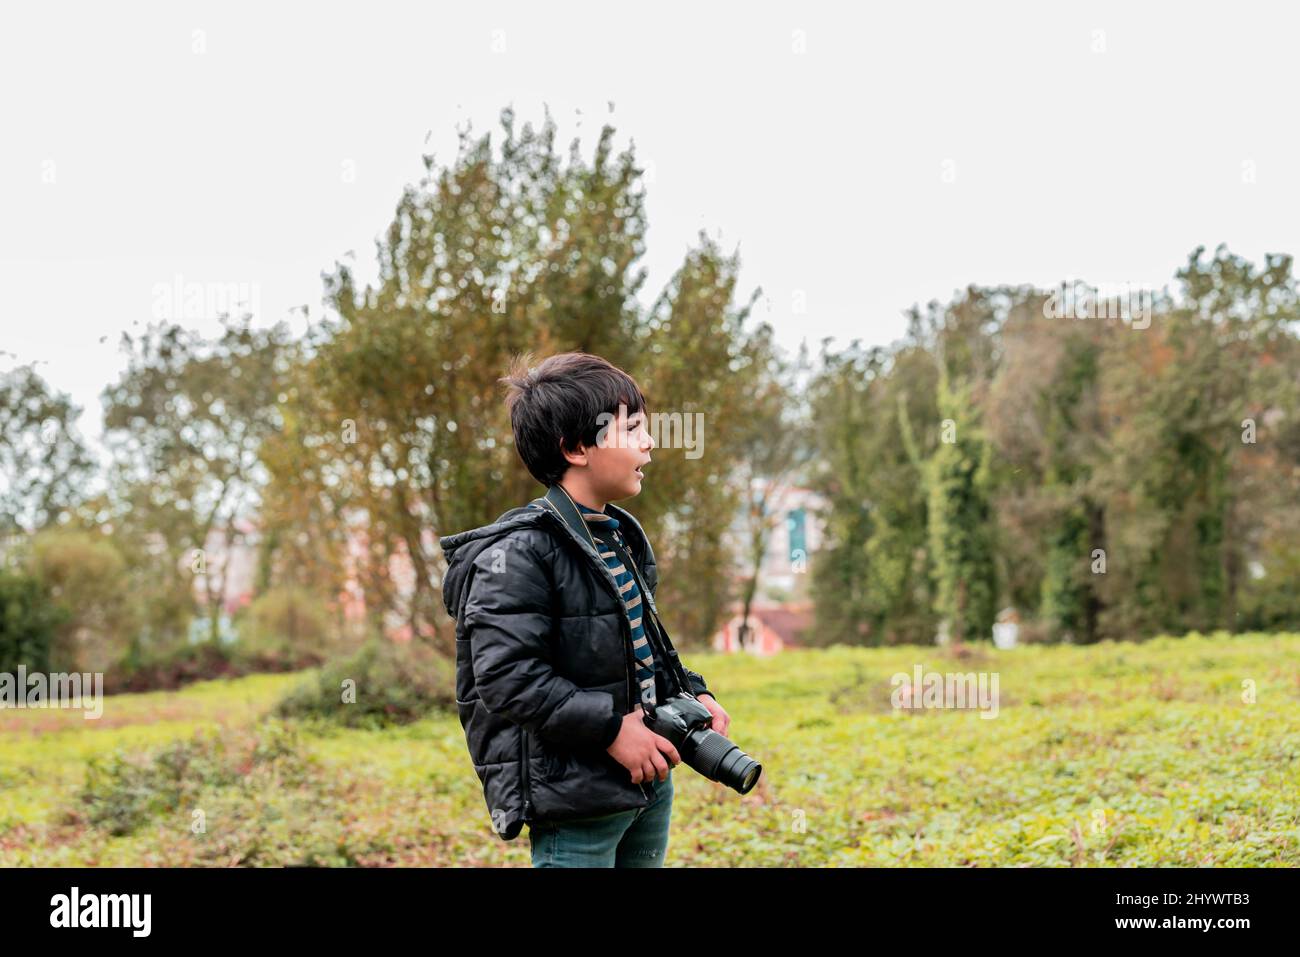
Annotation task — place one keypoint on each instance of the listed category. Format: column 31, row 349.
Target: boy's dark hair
column 560, row 401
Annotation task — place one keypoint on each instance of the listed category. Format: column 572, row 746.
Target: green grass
column 1111, row 755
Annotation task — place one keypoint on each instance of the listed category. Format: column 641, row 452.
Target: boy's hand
column 721, row 720
column 642, row 751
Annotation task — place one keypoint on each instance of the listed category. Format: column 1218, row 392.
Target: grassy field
column 1111, row 755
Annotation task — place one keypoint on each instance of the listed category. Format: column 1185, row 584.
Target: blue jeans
column 636, row 838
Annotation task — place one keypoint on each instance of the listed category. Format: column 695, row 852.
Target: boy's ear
column 574, row 458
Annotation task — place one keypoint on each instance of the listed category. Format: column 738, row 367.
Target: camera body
column 684, row 721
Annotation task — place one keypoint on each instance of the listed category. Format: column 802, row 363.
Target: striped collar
column 593, row 517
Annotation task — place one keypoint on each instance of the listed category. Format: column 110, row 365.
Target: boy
column 559, row 648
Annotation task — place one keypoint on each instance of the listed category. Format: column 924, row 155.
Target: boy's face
column 622, row 447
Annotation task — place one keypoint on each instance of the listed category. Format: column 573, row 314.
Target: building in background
column 773, row 627
column 236, row 564
column 781, row 609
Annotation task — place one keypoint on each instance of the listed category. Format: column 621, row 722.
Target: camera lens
column 719, row 760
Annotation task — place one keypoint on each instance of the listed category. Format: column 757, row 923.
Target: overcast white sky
column 863, row 160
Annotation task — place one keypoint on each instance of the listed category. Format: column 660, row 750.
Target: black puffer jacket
column 544, row 661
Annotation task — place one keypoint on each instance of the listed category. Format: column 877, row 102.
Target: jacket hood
column 459, row 557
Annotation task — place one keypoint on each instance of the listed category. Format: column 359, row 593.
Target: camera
column 684, row 721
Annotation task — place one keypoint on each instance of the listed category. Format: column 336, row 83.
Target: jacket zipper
column 523, row 749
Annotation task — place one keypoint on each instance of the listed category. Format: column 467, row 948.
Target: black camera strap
column 649, row 620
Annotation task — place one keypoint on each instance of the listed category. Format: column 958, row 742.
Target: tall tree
column 957, row 480
column 185, row 424
column 44, row 464
column 491, row 257
column 701, row 370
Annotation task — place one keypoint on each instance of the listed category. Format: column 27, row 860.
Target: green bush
column 170, row 669
column 261, row 798
column 121, row 792
column 29, row 622
column 86, row 576
column 1271, row 601
column 382, row 683
column 201, row 661
column 288, row 625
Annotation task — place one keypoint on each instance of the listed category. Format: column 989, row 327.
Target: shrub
column 28, row 622
column 201, row 661
column 86, row 577
column 286, row 624
column 168, row 670
column 264, row 800
column 122, row 792
column 382, row 683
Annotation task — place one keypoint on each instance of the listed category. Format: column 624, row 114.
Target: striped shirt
column 611, row 547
